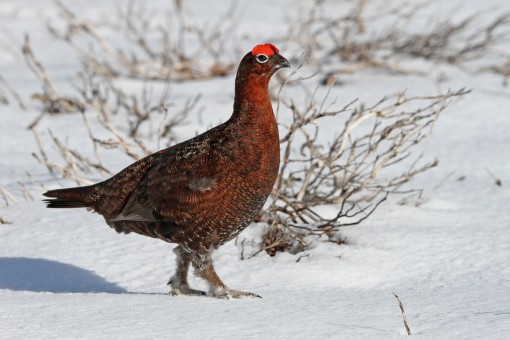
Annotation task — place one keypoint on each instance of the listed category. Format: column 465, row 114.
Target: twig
column 141, row 60
column 15, row 94
column 497, row 181
column 360, row 39
column 302, row 256
column 26, row 192
column 37, row 68
column 7, row 196
column 404, row 317
column 242, row 249
column 51, row 100
column 345, row 171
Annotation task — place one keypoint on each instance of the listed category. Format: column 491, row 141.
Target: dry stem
column 404, row 317
column 352, row 170
column 3, row 94
column 174, row 60
column 356, row 36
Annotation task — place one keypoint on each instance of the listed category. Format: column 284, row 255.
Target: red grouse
column 202, row 192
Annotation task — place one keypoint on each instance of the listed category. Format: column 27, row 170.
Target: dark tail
column 68, row 198
column 63, row 203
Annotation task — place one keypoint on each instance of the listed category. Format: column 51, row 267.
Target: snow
column 65, row 274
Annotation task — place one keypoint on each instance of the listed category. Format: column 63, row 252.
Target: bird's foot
column 226, row 293
column 185, row 290
column 182, row 288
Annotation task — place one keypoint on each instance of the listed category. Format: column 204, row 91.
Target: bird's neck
column 252, row 100
column 255, row 123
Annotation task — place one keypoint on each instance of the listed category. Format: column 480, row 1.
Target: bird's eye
column 262, row 58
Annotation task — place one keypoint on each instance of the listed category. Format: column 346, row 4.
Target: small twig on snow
column 497, row 181
column 403, row 314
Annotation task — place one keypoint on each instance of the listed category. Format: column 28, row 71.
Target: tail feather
column 68, row 198
column 63, row 203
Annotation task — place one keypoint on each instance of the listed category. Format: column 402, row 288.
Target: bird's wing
column 108, row 198
column 180, row 184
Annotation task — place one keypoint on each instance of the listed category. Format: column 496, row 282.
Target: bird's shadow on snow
column 41, row 275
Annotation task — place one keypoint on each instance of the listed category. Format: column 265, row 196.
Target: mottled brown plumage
column 202, row 192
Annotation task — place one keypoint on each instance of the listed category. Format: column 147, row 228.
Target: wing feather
column 180, row 184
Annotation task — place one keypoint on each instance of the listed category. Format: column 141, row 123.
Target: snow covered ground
column 65, row 274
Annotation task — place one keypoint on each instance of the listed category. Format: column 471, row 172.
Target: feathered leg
column 179, row 282
column 204, row 268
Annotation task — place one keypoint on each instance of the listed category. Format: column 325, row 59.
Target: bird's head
column 263, row 60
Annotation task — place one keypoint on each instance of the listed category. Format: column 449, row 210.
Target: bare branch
column 172, row 61
column 3, row 97
column 497, row 181
column 361, row 35
column 404, row 317
column 347, row 171
column 7, row 196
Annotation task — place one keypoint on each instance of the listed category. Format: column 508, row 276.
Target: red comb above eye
column 267, row 49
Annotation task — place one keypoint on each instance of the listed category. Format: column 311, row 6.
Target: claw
column 235, row 294
column 186, row 291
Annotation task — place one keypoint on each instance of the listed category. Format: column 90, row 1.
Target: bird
column 200, row 193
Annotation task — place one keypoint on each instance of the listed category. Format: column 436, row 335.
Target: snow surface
column 65, row 274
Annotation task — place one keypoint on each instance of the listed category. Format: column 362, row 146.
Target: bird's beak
column 280, row 62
